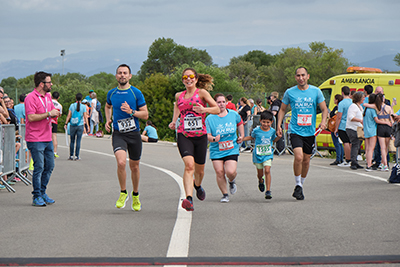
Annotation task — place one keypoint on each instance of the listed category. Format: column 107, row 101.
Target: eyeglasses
column 191, row 76
column 46, row 82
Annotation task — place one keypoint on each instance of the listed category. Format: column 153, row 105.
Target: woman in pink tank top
column 191, row 108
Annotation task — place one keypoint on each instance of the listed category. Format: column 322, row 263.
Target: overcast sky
column 38, row 29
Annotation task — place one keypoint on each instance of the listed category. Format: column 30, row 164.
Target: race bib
column 192, row 124
column 264, row 150
column 226, row 145
column 126, row 125
column 304, row 119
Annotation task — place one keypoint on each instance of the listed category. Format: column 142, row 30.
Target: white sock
column 302, row 180
column 298, row 180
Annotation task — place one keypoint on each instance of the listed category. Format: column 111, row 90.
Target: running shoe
column 47, row 199
column 368, row 169
column 200, row 193
column 136, row 205
column 232, row 187
column 77, row 158
column 122, row 200
column 380, row 166
column 16, row 179
column 71, row 158
column 10, row 182
column 384, row 168
column 344, row 164
column 187, row 205
column 39, row 202
column 2, row 187
column 261, row 186
column 268, row 194
column 298, row 193
column 56, row 155
column 225, row 199
column 335, row 163
column 359, row 158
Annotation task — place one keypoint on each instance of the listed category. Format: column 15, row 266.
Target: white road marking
column 179, row 241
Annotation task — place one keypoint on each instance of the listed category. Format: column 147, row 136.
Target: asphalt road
column 346, row 215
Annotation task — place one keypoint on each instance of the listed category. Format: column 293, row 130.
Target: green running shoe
column 121, row 200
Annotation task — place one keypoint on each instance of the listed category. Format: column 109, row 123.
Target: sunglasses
column 191, row 76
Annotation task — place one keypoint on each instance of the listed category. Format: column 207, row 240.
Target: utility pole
column 63, row 54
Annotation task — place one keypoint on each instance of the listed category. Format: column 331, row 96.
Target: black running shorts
column 131, row 142
column 306, row 142
column 193, row 146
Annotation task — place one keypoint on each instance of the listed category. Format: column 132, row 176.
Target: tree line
column 253, row 75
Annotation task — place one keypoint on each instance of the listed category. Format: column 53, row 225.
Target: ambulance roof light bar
column 363, row 70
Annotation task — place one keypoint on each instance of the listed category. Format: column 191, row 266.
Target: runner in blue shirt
column 303, row 100
column 224, row 148
column 263, row 151
column 125, row 106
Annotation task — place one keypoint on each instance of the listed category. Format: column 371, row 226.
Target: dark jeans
column 43, row 164
column 355, row 145
column 76, row 133
column 338, row 147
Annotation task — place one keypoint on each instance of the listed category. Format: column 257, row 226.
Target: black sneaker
column 261, row 186
column 335, row 163
column 375, row 166
column 298, row 193
column 353, row 167
column 268, row 195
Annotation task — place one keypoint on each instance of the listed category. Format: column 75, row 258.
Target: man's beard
column 47, row 89
column 123, row 83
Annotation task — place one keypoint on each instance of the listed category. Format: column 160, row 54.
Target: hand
column 322, row 126
column 239, row 139
column 198, row 108
column 217, row 138
column 108, row 125
column 54, row 113
column 126, row 108
column 279, row 131
column 172, row 125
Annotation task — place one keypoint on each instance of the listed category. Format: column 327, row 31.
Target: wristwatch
column 213, row 139
column 133, row 112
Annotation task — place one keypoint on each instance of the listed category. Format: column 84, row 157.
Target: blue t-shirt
column 369, row 123
column 398, row 113
column 82, row 110
column 263, row 142
column 151, row 132
column 343, row 107
column 20, row 111
column 134, row 98
column 304, row 109
column 225, row 127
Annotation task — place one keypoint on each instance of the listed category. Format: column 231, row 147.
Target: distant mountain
column 368, row 54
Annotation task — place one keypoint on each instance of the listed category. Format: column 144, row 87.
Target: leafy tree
column 103, row 81
column 9, row 83
column 397, row 59
column 165, row 55
column 257, row 57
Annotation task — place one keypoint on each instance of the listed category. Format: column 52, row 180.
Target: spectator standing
column 258, row 108
column 94, row 114
column 354, row 120
column 229, row 104
column 338, row 146
column 54, row 121
column 38, row 110
column 245, row 114
column 340, row 127
column 12, row 116
column 20, row 109
column 274, row 107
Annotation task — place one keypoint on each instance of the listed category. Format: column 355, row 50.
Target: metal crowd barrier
column 23, row 158
column 8, row 157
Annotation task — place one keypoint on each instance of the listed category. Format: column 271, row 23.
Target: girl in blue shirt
column 151, row 131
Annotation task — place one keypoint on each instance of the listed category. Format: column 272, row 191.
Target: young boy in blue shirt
column 263, row 151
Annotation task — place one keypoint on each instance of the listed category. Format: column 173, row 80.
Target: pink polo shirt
column 35, row 103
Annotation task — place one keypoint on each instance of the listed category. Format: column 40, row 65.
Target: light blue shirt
column 343, row 107
column 304, row 109
column 369, row 123
column 151, row 132
column 225, row 127
column 398, row 113
column 263, row 142
column 82, row 110
column 20, row 111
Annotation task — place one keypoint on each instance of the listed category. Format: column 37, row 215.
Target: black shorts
column 343, row 136
column 306, row 142
column 193, row 146
column 383, row 130
column 152, row 140
column 54, row 127
column 231, row 157
column 131, row 142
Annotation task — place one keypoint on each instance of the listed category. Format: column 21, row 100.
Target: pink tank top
column 191, row 124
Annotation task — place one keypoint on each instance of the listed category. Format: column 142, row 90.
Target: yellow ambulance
column 356, row 78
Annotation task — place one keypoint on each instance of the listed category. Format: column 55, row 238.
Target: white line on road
column 179, row 242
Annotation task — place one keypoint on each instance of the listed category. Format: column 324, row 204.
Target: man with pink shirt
column 39, row 109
